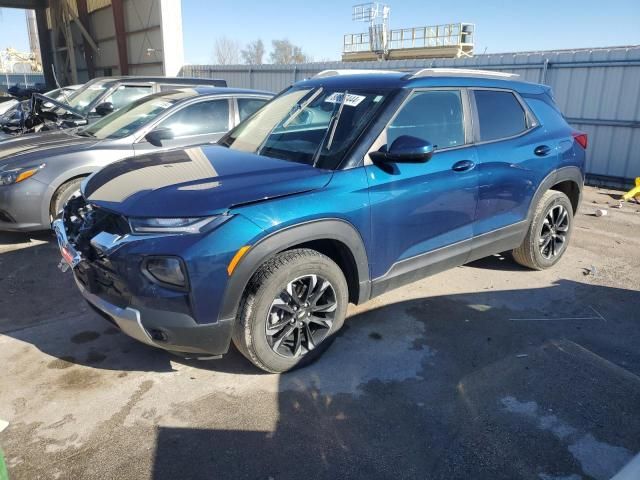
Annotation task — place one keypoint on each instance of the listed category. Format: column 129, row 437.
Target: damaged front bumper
column 171, row 330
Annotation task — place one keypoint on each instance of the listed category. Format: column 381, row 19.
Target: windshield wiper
column 84, row 133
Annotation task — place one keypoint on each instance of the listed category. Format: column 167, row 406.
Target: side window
column 500, row 114
column 248, row 106
column 126, row 94
column 435, row 116
column 199, row 119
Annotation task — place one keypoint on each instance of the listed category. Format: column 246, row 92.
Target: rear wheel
column 549, row 232
column 62, row 196
column 291, row 310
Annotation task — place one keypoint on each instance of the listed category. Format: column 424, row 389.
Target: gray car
column 39, row 172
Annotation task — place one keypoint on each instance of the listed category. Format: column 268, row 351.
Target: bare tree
column 285, row 52
column 227, row 51
column 253, row 54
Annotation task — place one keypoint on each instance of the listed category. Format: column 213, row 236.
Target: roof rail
column 333, row 73
column 461, row 72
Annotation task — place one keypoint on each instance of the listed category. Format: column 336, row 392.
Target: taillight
column 581, row 138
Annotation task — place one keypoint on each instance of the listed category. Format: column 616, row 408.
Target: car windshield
column 315, row 126
column 82, row 98
column 132, row 117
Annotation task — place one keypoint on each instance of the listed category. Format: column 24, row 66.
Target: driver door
column 195, row 124
column 422, row 213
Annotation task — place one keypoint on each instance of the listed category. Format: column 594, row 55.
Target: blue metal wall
column 597, row 89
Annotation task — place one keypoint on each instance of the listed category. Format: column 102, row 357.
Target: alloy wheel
column 301, row 316
column 553, row 236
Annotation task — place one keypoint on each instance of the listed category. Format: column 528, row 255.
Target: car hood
column 37, row 148
column 196, row 182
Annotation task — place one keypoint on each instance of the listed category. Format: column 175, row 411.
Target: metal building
column 83, row 39
column 597, row 89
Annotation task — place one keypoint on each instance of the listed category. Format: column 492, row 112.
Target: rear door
column 514, row 155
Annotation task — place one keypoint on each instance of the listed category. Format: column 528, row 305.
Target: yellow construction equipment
column 634, row 192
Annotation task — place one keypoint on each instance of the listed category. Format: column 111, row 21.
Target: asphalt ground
column 487, row 371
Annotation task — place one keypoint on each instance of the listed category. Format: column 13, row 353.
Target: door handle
column 542, row 150
column 463, row 166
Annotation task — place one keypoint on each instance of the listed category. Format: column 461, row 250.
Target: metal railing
column 435, row 36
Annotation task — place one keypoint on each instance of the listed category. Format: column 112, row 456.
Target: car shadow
column 499, row 385
column 500, row 262
column 42, row 306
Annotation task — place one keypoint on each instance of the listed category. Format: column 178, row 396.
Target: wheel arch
column 568, row 180
column 56, row 183
column 336, row 238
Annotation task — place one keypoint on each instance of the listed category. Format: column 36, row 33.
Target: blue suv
column 344, row 186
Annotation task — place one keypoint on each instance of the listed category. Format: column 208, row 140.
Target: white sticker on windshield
column 161, row 104
column 351, row 100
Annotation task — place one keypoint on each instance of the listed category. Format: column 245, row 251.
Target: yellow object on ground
column 634, row 192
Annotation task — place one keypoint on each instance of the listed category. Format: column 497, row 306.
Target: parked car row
column 57, row 162
column 95, row 99
column 342, row 187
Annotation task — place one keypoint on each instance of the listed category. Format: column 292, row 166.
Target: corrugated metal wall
column 10, row 79
column 598, row 90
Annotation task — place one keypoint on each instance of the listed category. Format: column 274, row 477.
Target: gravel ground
column 487, row 371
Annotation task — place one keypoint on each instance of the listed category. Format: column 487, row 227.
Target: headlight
column 17, row 175
column 176, row 225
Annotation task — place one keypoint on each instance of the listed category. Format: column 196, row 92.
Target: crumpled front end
column 110, row 266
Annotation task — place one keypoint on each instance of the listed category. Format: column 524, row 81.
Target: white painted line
column 631, row 471
column 551, row 319
column 3, row 424
column 597, row 313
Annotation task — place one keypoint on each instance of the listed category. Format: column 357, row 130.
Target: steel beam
column 46, row 49
column 89, row 50
column 121, row 36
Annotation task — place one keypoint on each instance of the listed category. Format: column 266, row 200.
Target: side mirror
column 104, row 109
column 155, row 137
column 405, row 149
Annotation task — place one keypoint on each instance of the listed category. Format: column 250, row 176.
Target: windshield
column 83, row 97
column 315, row 126
column 132, row 117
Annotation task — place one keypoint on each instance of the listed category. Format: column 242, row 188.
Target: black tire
column 62, row 196
column 266, row 288
column 535, row 252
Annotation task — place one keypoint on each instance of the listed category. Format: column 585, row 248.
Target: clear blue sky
column 318, row 26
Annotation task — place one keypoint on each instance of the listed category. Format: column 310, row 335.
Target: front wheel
column 549, row 232
column 291, row 310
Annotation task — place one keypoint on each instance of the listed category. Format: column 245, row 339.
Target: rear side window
column 248, row 106
column 500, row 114
column 435, row 116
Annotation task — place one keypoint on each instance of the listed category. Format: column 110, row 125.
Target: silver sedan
column 39, row 172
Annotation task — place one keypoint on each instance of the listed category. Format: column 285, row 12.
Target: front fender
column 324, row 229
